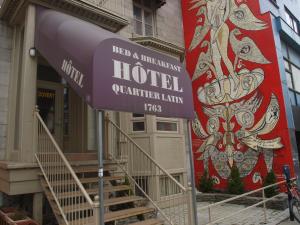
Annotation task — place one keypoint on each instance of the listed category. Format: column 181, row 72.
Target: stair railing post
column 35, row 131
column 100, row 145
column 96, row 210
column 106, row 140
column 192, row 177
column 189, row 194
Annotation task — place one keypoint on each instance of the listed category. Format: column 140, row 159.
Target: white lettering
column 166, row 81
column 72, row 72
column 139, row 74
column 121, row 70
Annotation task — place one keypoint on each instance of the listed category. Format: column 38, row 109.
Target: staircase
column 70, row 183
column 121, row 205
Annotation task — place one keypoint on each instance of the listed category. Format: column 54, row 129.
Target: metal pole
column 100, row 144
column 192, row 173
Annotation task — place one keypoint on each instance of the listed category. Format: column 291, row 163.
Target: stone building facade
column 6, row 57
column 25, row 77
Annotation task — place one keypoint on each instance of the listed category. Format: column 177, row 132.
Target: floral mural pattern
column 232, row 133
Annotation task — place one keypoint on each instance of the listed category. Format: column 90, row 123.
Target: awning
column 110, row 72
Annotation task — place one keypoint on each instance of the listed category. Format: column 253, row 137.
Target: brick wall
column 5, row 66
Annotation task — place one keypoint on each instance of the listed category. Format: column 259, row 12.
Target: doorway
column 63, row 111
column 50, row 105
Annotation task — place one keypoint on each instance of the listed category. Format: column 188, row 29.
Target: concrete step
column 110, row 189
column 107, row 202
column 126, row 213
column 121, row 200
column 90, row 191
column 88, row 180
column 84, row 221
column 82, row 170
column 148, row 222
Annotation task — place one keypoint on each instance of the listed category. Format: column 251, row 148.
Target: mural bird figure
column 264, row 126
column 212, row 136
column 242, row 17
column 204, row 62
column 201, row 30
column 246, row 49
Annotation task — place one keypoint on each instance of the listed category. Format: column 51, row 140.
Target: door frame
column 59, row 106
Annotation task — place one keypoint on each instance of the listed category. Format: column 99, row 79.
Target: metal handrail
column 210, row 207
column 67, row 164
column 56, row 168
column 173, row 201
column 148, row 156
column 144, row 193
column 242, row 195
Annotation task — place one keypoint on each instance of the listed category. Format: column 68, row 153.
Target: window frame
column 138, row 119
column 144, row 9
column 167, row 120
column 292, row 21
column 293, row 93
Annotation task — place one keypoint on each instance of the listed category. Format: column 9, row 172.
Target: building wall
column 168, row 148
column 5, row 67
column 278, row 8
column 288, row 48
column 160, row 145
column 232, row 68
column 168, row 21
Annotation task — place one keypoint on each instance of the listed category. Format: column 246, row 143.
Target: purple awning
column 111, row 72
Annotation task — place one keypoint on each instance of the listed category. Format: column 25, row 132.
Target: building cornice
column 79, row 8
column 160, row 45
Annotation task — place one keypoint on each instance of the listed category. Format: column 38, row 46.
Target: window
column 143, row 17
column 296, row 78
column 292, row 21
column 138, row 122
column 137, row 115
column 293, row 81
column 166, row 126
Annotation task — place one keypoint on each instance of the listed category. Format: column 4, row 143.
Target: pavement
column 288, row 222
column 253, row 216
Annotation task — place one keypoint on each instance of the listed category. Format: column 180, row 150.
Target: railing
column 72, row 201
column 263, row 202
column 171, row 199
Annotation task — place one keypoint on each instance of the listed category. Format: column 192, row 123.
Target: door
column 50, row 105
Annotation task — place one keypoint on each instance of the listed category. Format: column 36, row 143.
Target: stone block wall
column 5, row 67
column 168, row 22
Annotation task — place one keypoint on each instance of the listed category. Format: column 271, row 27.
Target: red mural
column 240, row 118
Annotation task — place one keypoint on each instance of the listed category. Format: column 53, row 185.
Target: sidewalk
column 288, row 222
column 254, row 216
